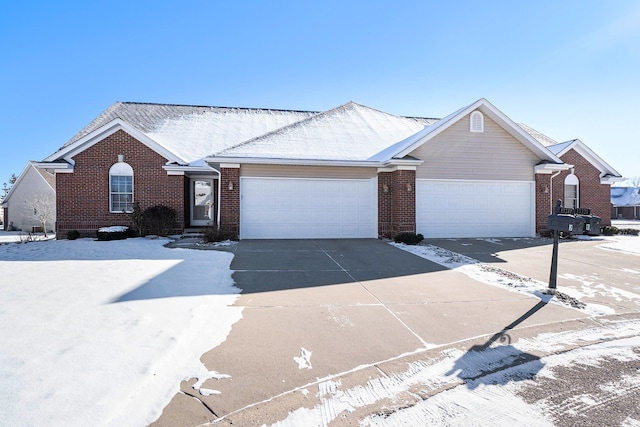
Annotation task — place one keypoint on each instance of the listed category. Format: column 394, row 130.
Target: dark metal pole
column 553, row 277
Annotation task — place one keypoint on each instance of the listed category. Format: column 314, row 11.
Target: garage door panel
column 474, row 208
column 308, row 208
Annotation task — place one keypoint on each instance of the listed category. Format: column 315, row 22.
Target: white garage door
column 282, row 208
column 475, row 208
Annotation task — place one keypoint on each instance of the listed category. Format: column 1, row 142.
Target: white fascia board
column 516, row 131
column 106, row 130
column 56, row 167
column 225, row 161
column 548, row 168
column 15, row 184
column 429, row 132
column 496, row 115
column 592, row 157
column 611, row 179
column 173, row 169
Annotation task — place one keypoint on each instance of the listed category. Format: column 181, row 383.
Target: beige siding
column 307, row 171
column 493, row 154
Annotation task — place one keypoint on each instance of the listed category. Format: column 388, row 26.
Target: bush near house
column 159, row 220
column 409, row 238
column 112, row 233
column 73, row 234
column 610, row 230
column 214, row 234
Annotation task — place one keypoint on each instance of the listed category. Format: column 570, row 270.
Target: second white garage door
column 287, row 208
column 475, row 208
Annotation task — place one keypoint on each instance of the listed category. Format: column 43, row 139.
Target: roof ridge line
column 216, row 107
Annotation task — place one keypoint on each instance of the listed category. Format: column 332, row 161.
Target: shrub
column 137, row 221
column 73, row 234
column 214, row 234
column 112, row 233
column 630, row 231
column 159, row 220
column 409, row 238
column 609, row 230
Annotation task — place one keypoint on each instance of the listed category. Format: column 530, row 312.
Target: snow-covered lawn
column 102, row 333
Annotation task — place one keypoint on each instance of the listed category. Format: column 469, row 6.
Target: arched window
column 121, row 187
column 476, row 123
column 571, row 192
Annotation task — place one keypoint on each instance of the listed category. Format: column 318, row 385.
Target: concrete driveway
column 322, row 308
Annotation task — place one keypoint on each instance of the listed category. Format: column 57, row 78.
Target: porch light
column 385, row 188
column 409, row 188
column 230, row 185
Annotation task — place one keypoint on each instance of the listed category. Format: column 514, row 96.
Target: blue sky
column 570, row 69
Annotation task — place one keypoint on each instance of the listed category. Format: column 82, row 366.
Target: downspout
column 551, row 202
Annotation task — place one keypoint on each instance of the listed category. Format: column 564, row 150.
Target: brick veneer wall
column 592, row 194
column 543, row 200
column 5, row 219
column 82, row 197
column 396, row 202
column 230, row 200
column 403, row 196
column 385, row 201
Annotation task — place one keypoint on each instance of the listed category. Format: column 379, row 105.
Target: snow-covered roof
column 606, row 171
column 625, row 196
column 538, row 136
column 351, row 132
column 194, row 132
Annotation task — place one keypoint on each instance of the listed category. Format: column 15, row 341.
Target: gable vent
column 476, row 123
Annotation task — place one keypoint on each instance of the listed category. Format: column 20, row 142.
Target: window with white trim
column 571, row 193
column 121, row 187
column 476, row 122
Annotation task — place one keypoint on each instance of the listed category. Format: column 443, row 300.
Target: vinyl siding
column 307, row 172
column 493, row 154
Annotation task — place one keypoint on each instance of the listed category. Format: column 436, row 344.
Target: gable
column 457, row 153
column 30, row 182
column 577, row 151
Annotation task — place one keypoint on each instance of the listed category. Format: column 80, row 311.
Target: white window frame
column 572, row 182
column 476, row 122
column 120, row 169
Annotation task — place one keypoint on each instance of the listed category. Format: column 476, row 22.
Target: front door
column 203, row 210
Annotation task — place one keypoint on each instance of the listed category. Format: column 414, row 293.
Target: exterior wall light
column 230, row 185
column 409, row 188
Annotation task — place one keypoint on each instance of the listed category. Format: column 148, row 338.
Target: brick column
column 384, row 204
column 230, row 198
column 403, row 201
column 543, row 201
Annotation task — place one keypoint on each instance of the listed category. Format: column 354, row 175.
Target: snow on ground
column 21, row 236
column 480, row 385
column 102, row 333
column 495, row 276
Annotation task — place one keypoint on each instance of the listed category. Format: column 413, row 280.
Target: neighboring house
column 625, row 202
column 351, row 171
column 31, row 200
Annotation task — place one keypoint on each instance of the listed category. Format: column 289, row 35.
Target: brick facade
column 592, row 194
column 543, row 200
column 230, row 199
column 396, row 202
column 82, row 199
